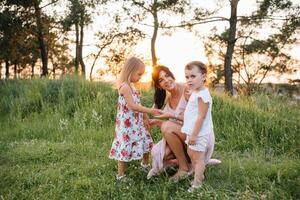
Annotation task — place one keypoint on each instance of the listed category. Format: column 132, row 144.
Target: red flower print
column 117, row 122
column 126, row 138
column 113, row 152
column 125, row 109
column 151, row 145
column 133, row 144
column 127, row 123
column 124, row 153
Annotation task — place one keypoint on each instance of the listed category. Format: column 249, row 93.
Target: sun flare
column 147, row 75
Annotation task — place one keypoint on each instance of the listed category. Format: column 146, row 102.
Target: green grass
column 55, row 137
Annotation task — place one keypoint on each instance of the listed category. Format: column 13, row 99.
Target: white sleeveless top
column 191, row 113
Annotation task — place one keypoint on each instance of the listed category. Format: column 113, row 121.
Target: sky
column 183, row 46
column 173, row 51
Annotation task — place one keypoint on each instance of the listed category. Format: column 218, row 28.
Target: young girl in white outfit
column 132, row 139
column 198, row 125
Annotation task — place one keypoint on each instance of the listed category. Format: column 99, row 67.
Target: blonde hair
column 131, row 65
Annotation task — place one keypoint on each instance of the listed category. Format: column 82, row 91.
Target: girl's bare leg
column 146, row 158
column 121, row 168
column 198, row 162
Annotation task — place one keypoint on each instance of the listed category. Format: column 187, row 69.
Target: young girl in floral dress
column 132, row 139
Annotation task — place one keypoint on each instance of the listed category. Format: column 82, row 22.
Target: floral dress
column 132, row 139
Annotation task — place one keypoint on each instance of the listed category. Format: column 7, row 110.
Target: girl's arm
column 166, row 115
column 202, row 110
column 127, row 93
column 146, row 121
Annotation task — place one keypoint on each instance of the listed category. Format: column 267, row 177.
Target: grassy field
column 55, row 137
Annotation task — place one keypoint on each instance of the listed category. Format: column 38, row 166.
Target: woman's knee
column 165, row 127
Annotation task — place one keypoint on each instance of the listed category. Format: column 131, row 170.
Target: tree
column 10, row 27
column 268, row 52
column 33, row 9
column 59, row 52
column 114, row 43
column 79, row 16
column 40, row 33
column 139, row 11
column 230, row 46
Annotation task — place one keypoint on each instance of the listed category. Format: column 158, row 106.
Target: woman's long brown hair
column 159, row 93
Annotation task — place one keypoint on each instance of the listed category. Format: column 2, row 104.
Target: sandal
column 194, row 187
column 145, row 167
column 119, row 178
column 179, row 176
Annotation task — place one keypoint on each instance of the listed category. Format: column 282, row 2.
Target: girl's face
column 136, row 76
column 194, row 78
column 165, row 81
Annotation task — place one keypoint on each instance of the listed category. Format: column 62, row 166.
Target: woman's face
column 165, row 81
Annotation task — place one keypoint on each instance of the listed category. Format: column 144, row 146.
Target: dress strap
column 124, row 83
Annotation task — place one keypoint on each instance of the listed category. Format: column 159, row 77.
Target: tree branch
column 203, row 21
column 141, row 5
column 48, row 4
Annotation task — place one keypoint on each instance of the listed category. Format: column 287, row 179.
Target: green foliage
column 254, row 56
column 256, row 123
column 56, row 134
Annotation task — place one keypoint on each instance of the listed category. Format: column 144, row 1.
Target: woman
column 175, row 103
column 173, row 143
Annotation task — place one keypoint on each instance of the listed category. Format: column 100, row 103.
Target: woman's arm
column 167, row 115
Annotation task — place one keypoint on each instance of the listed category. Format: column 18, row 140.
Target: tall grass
column 55, row 137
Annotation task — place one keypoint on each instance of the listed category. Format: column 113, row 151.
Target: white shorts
column 201, row 143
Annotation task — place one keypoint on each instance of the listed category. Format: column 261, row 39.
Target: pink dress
column 179, row 110
column 132, row 139
column 158, row 151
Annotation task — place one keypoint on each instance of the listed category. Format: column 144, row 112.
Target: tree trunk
column 81, row 43
column 77, row 48
column 53, row 70
column 6, row 69
column 32, row 69
column 154, row 35
column 15, row 70
column 44, row 55
column 230, row 47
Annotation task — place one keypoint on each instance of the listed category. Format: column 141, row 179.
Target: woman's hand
column 165, row 115
column 155, row 122
column 156, row 112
